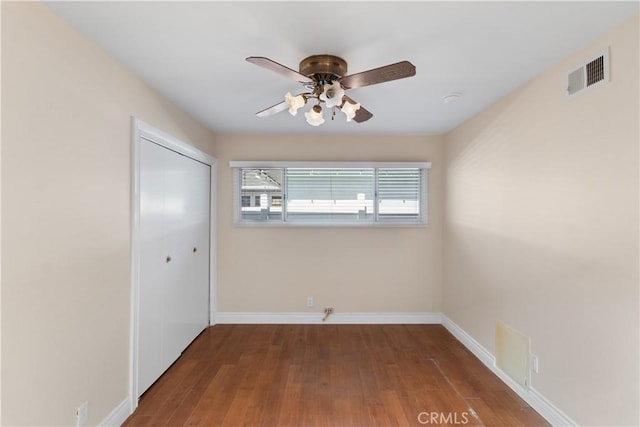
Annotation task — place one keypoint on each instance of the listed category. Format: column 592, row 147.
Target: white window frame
column 237, row 166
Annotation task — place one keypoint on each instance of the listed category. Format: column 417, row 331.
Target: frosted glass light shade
column 350, row 109
column 314, row 116
column 294, row 102
column 332, row 94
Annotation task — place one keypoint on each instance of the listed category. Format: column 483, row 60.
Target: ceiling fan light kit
column 332, row 94
column 325, row 79
column 350, row 109
column 294, row 102
column 314, row 116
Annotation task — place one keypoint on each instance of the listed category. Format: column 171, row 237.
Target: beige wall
column 66, row 217
column 541, row 231
column 354, row 270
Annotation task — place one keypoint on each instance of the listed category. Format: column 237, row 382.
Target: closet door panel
column 153, row 266
column 196, row 315
column 186, row 291
column 178, row 275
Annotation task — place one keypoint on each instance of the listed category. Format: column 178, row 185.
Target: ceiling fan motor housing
column 323, row 68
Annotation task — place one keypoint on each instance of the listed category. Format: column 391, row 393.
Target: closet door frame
column 140, row 131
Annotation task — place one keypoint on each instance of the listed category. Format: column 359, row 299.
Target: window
column 323, row 193
column 260, row 185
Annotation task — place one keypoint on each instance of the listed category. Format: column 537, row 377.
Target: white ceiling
column 194, row 53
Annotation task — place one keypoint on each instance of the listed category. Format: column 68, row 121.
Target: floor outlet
column 309, row 301
column 82, row 414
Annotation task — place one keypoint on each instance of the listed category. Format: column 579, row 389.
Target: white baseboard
column 536, row 400
column 119, row 415
column 472, row 345
column 335, row 319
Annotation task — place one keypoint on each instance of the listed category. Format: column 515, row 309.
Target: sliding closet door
column 186, row 298
column 153, row 263
column 174, row 257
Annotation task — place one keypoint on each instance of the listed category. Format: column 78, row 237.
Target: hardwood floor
column 330, row 375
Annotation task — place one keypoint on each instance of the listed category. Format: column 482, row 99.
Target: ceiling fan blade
column 278, row 68
column 396, row 71
column 274, row 109
column 362, row 114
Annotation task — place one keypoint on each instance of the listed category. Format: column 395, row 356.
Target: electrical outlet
column 82, row 414
column 309, row 301
column 535, row 367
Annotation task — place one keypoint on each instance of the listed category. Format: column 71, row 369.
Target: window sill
column 279, row 224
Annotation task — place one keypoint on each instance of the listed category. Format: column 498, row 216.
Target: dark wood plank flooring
column 330, row 375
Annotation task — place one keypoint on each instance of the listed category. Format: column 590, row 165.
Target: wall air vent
column 592, row 73
column 513, row 349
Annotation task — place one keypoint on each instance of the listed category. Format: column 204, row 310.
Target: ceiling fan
column 324, row 79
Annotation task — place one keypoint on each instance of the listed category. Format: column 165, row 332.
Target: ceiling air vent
column 589, row 74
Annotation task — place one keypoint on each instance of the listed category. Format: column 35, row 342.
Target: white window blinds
column 319, row 193
column 399, row 194
column 316, row 194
